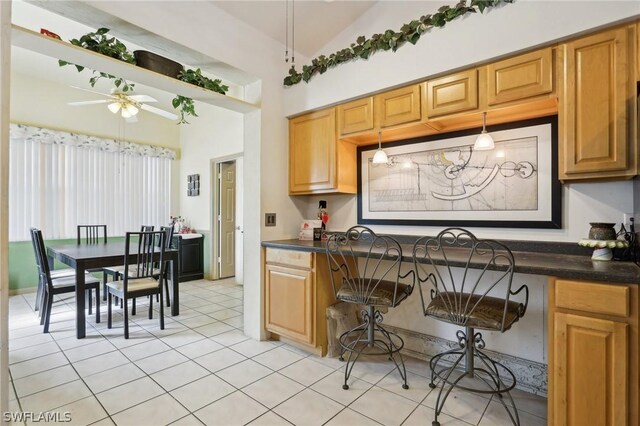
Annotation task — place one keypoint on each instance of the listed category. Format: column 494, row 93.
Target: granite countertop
column 560, row 260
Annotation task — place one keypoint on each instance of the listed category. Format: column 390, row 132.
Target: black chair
column 365, row 269
column 144, row 283
column 91, row 234
column 117, row 271
column 58, row 273
column 168, row 230
column 469, row 283
column 59, row 285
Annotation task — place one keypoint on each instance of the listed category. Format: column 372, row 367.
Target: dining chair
column 168, row 230
column 469, row 284
column 59, row 285
column 117, row 271
column 57, row 273
column 372, row 280
column 142, row 282
column 91, row 234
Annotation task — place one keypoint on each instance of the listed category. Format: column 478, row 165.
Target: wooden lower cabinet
column 297, row 295
column 593, row 357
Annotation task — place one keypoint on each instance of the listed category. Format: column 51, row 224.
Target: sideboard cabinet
column 191, row 254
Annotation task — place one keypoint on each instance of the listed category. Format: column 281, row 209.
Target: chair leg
column 47, row 312
column 104, row 285
column 166, row 288
column 133, row 306
column 151, row 306
column 109, row 310
column 39, row 295
column 90, row 300
column 161, row 311
column 126, row 317
column 43, row 307
column 98, row 304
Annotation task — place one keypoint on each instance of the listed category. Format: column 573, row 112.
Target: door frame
column 214, row 268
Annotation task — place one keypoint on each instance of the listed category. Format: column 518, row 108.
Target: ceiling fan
column 127, row 105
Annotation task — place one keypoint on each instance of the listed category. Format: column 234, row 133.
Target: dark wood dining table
column 83, row 257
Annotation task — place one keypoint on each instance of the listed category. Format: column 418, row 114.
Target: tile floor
column 201, row 369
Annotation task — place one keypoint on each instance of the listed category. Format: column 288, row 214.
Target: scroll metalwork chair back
column 60, row 284
column 467, row 282
column 92, row 234
column 142, row 281
column 365, row 269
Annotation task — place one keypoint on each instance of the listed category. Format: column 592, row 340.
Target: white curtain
column 59, row 180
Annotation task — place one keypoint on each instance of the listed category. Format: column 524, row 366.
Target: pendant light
column 484, row 142
column 380, row 156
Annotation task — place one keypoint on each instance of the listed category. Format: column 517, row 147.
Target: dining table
column 83, row 257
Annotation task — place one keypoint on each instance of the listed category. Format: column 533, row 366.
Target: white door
column 239, row 220
column 227, row 224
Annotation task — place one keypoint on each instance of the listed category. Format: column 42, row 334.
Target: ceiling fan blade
column 132, row 119
column 93, row 91
column 142, row 98
column 80, row 103
column 160, row 112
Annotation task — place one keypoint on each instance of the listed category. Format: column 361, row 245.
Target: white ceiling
column 316, row 21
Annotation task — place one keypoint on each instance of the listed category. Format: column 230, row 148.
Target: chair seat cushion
column 70, row 281
column 59, row 273
column 134, row 285
column 487, row 315
column 382, row 294
column 133, row 270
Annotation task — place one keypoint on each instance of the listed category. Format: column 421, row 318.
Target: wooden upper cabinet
column 597, row 106
column 398, row 106
column 355, row 116
column 452, row 94
column 519, row 78
column 318, row 161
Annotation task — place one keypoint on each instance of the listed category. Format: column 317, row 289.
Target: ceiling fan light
column 114, row 107
column 484, row 142
column 131, row 109
column 125, row 113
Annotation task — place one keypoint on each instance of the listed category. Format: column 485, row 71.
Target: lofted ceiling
column 316, row 21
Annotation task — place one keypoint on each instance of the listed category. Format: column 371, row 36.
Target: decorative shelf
column 58, row 49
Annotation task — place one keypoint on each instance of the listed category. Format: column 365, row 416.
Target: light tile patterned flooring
column 201, row 369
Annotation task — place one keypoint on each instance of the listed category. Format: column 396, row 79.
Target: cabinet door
column 593, row 107
column 519, row 78
column 312, row 152
column 290, row 303
column 398, row 106
column 590, row 371
column 355, row 116
column 452, row 93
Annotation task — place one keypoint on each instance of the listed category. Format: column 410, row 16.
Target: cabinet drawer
column 453, row 93
column 298, row 259
column 520, row 77
column 606, row 299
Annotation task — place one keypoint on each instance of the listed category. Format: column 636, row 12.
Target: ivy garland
column 389, row 40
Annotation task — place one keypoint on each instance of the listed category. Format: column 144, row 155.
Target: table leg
column 80, row 299
column 175, row 286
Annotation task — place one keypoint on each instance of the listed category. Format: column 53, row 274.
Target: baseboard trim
column 25, row 290
column 531, row 376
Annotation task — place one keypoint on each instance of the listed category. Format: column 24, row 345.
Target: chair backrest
column 443, row 265
column 148, row 255
column 359, row 261
column 44, row 272
column 92, row 234
column 168, row 230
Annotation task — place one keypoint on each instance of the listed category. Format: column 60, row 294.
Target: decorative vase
column 602, row 231
column 157, row 63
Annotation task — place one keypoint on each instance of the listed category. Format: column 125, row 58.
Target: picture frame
column 441, row 181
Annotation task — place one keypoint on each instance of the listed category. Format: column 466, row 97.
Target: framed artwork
column 193, row 185
column 440, row 180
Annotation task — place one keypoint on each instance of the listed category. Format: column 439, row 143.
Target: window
column 59, row 180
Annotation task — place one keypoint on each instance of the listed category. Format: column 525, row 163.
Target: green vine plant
column 184, row 104
column 363, row 48
column 100, row 42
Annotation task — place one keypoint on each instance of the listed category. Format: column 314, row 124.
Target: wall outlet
column 269, row 219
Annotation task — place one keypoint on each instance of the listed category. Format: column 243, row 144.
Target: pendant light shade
column 484, row 142
column 114, row 107
column 380, row 156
